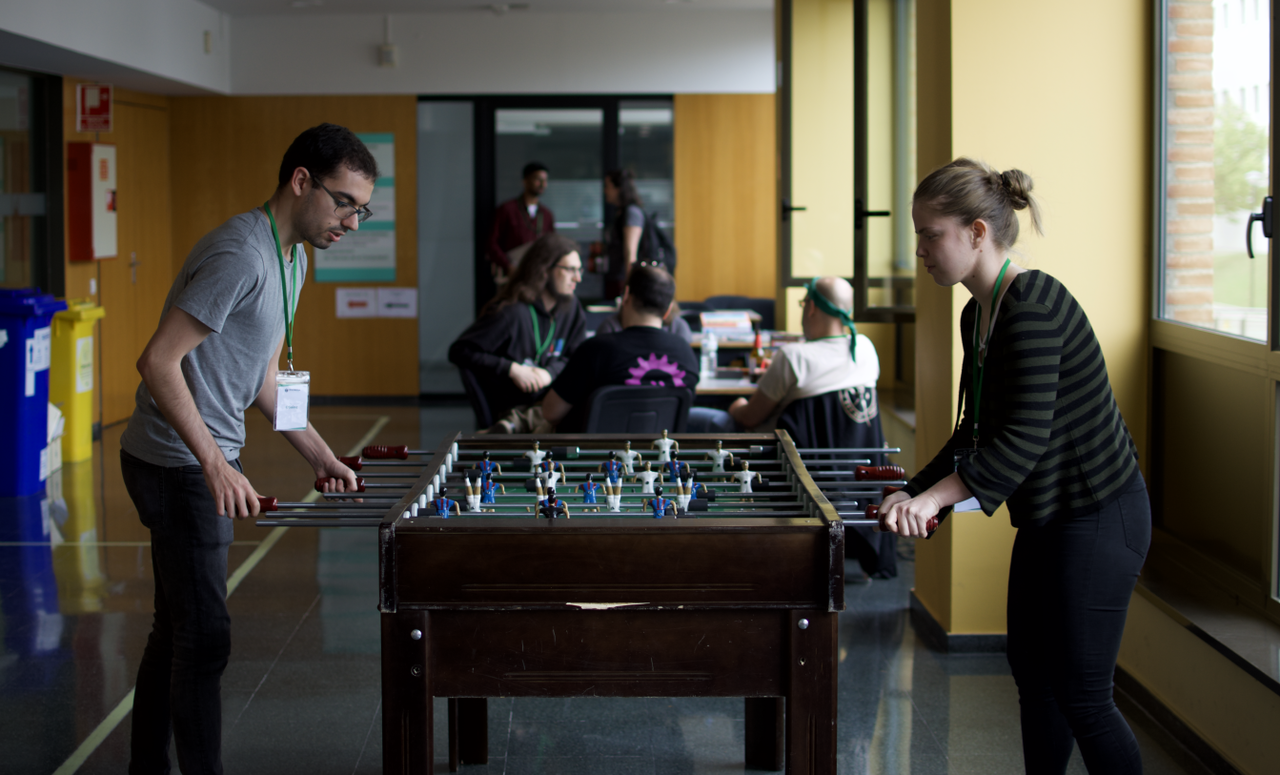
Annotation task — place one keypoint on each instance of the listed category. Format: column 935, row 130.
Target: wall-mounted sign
column 93, row 107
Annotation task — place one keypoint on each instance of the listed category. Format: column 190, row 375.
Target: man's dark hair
column 321, row 150
column 652, row 288
column 532, row 168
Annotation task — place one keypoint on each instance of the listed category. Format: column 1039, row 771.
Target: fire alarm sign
column 93, row 107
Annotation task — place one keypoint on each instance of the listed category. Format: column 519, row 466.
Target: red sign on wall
column 93, row 107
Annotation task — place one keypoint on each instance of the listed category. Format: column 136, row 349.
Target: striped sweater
column 1052, row 441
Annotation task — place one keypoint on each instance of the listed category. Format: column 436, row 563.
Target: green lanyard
column 290, row 294
column 543, row 345
column 980, row 365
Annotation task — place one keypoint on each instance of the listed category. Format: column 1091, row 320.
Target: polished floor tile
column 302, row 693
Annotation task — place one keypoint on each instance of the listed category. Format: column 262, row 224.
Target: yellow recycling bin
column 71, row 376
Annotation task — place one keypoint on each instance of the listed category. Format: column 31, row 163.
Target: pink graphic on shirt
column 669, row 372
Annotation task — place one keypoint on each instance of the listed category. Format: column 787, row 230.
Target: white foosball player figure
column 535, row 458
column 628, row 457
column 646, row 478
column 547, row 471
column 473, row 494
column 718, row 457
column 745, row 477
column 664, row 446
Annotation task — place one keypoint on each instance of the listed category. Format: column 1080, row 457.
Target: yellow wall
column 227, row 154
column 725, row 191
column 1222, row 704
column 1079, row 126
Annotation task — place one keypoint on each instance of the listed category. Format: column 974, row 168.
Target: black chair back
column 479, row 404
column 846, row 418
column 638, row 409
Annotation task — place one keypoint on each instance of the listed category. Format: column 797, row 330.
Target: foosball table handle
column 386, row 452
column 879, row 473
column 267, row 503
column 320, row 483
column 873, row 512
column 351, row 462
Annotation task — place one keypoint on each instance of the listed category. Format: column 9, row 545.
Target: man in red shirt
column 519, row 222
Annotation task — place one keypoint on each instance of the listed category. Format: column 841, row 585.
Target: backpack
column 655, row 245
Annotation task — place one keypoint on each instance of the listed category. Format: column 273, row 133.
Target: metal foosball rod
column 362, row 486
column 803, row 451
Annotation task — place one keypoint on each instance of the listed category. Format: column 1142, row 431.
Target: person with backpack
column 622, row 239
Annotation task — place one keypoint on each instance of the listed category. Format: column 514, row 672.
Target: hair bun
column 1017, row 186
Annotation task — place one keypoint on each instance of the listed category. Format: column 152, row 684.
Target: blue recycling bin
column 25, row 353
column 33, row 623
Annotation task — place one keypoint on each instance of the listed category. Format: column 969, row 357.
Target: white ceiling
column 239, row 8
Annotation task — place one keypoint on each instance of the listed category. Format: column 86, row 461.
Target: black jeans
column 179, row 690
column 1069, row 588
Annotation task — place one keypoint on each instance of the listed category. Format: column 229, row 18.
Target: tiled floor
column 301, row 694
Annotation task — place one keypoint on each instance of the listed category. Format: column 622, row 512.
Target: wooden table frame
column 475, row 608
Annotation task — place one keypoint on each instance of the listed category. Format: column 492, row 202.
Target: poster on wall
column 369, row 253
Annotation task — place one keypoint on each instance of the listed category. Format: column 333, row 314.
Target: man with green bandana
column 832, row 357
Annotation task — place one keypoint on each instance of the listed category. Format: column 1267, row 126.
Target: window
column 1215, row 167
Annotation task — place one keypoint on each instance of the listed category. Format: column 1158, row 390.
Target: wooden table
column 609, row 605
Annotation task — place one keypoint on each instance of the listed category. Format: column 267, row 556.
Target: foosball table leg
column 468, row 731
column 406, row 694
column 811, row 694
column 764, row 733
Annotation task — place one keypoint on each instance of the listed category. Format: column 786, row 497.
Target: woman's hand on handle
column 908, row 516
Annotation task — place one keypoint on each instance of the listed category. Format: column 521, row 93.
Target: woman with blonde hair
column 1041, row 432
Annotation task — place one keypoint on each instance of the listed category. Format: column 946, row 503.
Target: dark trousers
column 1069, row 588
column 179, row 690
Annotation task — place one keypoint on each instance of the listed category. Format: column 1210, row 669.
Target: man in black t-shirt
column 640, row 354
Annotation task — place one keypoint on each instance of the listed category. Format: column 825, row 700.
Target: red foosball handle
column 385, row 452
column 887, row 491
column 267, row 503
column 878, row 473
column 351, row 462
column 359, row 485
column 873, row 512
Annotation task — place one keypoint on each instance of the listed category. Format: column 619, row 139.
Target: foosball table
column 725, row 584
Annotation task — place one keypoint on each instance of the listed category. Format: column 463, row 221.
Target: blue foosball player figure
column 675, row 469
column 489, row 488
column 661, row 506
column 488, row 467
column 612, row 468
column 589, row 489
column 552, row 507
column 443, row 504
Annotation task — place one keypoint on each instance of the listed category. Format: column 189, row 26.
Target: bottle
column 757, row 354
column 710, row 355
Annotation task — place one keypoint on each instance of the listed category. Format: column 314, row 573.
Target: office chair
column 638, row 409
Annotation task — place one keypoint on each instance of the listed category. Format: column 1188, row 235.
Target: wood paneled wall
column 132, row 286
column 726, row 195
column 226, row 156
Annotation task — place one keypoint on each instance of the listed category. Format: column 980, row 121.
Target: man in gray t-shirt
column 215, row 354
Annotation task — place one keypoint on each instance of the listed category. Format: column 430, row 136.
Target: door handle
column 861, row 214
column 787, row 209
column 1265, row 217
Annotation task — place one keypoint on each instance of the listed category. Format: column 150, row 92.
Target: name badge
column 293, row 394
column 972, row 503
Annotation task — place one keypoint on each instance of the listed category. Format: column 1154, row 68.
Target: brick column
column 1188, row 162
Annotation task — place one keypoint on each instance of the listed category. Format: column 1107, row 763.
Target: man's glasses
column 343, row 210
column 574, row 270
